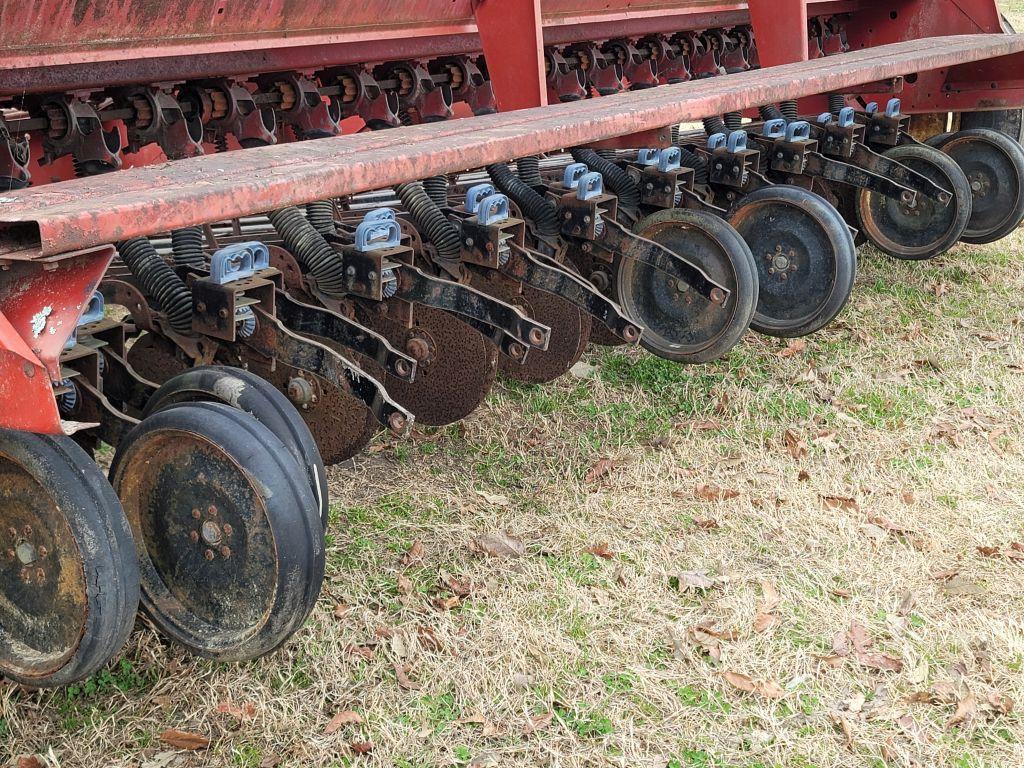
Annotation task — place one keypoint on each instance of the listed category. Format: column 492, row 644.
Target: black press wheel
column 227, row 530
column 258, row 397
column 994, row 166
column 805, row 258
column 924, row 229
column 680, row 324
column 69, row 584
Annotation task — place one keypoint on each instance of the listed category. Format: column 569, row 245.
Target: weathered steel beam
column 53, row 219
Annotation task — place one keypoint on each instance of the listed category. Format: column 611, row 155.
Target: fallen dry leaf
column 1000, row 703
column 765, row 621
column 365, row 652
column 361, row 747
column 402, row 675
column 246, row 711
column 30, row 761
column 495, row 499
column 768, row 689
column 795, row 347
column 538, row 723
column 705, row 523
column 499, row 545
column 966, row 709
column 602, row 468
column 840, row 502
column 340, row 610
column 888, row 525
column 796, row 446
column 184, row 740
column 880, row 661
column 345, row 717
column 714, row 493
column 413, row 555
column 695, row 580
column 404, row 584
column 601, row 550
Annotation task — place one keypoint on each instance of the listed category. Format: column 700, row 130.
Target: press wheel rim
column 723, row 255
column 55, row 559
column 923, row 230
column 828, row 236
column 996, row 180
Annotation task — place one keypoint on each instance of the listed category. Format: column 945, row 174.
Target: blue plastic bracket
column 573, row 173
column 377, row 235
column 590, row 185
column 492, row 209
column 476, row 193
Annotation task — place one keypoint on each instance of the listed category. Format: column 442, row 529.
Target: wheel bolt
column 225, row 551
column 193, row 536
column 208, row 554
column 40, row 574
column 196, row 514
column 212, row 510
column 227, row 529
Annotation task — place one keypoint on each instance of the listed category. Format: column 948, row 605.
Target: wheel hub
column 781, row 262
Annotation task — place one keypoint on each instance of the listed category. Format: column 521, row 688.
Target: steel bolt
column 27, row 530
column 300, row 391
column 417, row 348
column 40, row 574
column 396, row 422
column 11, row 554
column 42, row 552
column 402, row 367
column 12, row 532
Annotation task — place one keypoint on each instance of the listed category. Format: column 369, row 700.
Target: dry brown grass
column 910, row 411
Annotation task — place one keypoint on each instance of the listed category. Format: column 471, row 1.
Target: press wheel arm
column 616, row 239
column 274, row 340
column 856, row 176
column 420, row 288
column 545, row 274
column 309, row 320
column 867, row 158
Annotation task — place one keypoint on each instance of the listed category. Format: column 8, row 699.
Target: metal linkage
column 588, row 220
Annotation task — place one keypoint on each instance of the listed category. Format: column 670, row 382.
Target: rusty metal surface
column 91, row 211
column 456, row 365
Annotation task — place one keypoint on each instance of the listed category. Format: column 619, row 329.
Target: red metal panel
column 780, row 29
column 39, row 308
column 84, row 212
column 511, row 37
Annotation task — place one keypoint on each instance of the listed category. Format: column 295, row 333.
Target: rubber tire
column 844, row 250
column 741, row 269
column 100, row 528
column 954, row 179
column 1007, row 121
column 291, row 509
column 1014, row 153
column 261, row 400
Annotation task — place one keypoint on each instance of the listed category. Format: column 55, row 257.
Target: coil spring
column 388, row 283
column 436, row 188
column 770, row 112
column 790, row 110
column 245, row 318
column 675, row 134
column 733, row 120
column 534, row 206
column 430, row 220
column 627, row 190
column 320, row 213
column 68, row 401
column 836, row 102
column 404, row 117
column 695, row 161
column 187, row 247
column 528, row 169
column 310, row 249
column 159, row 281
column 220, row 142
column 713, row 125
